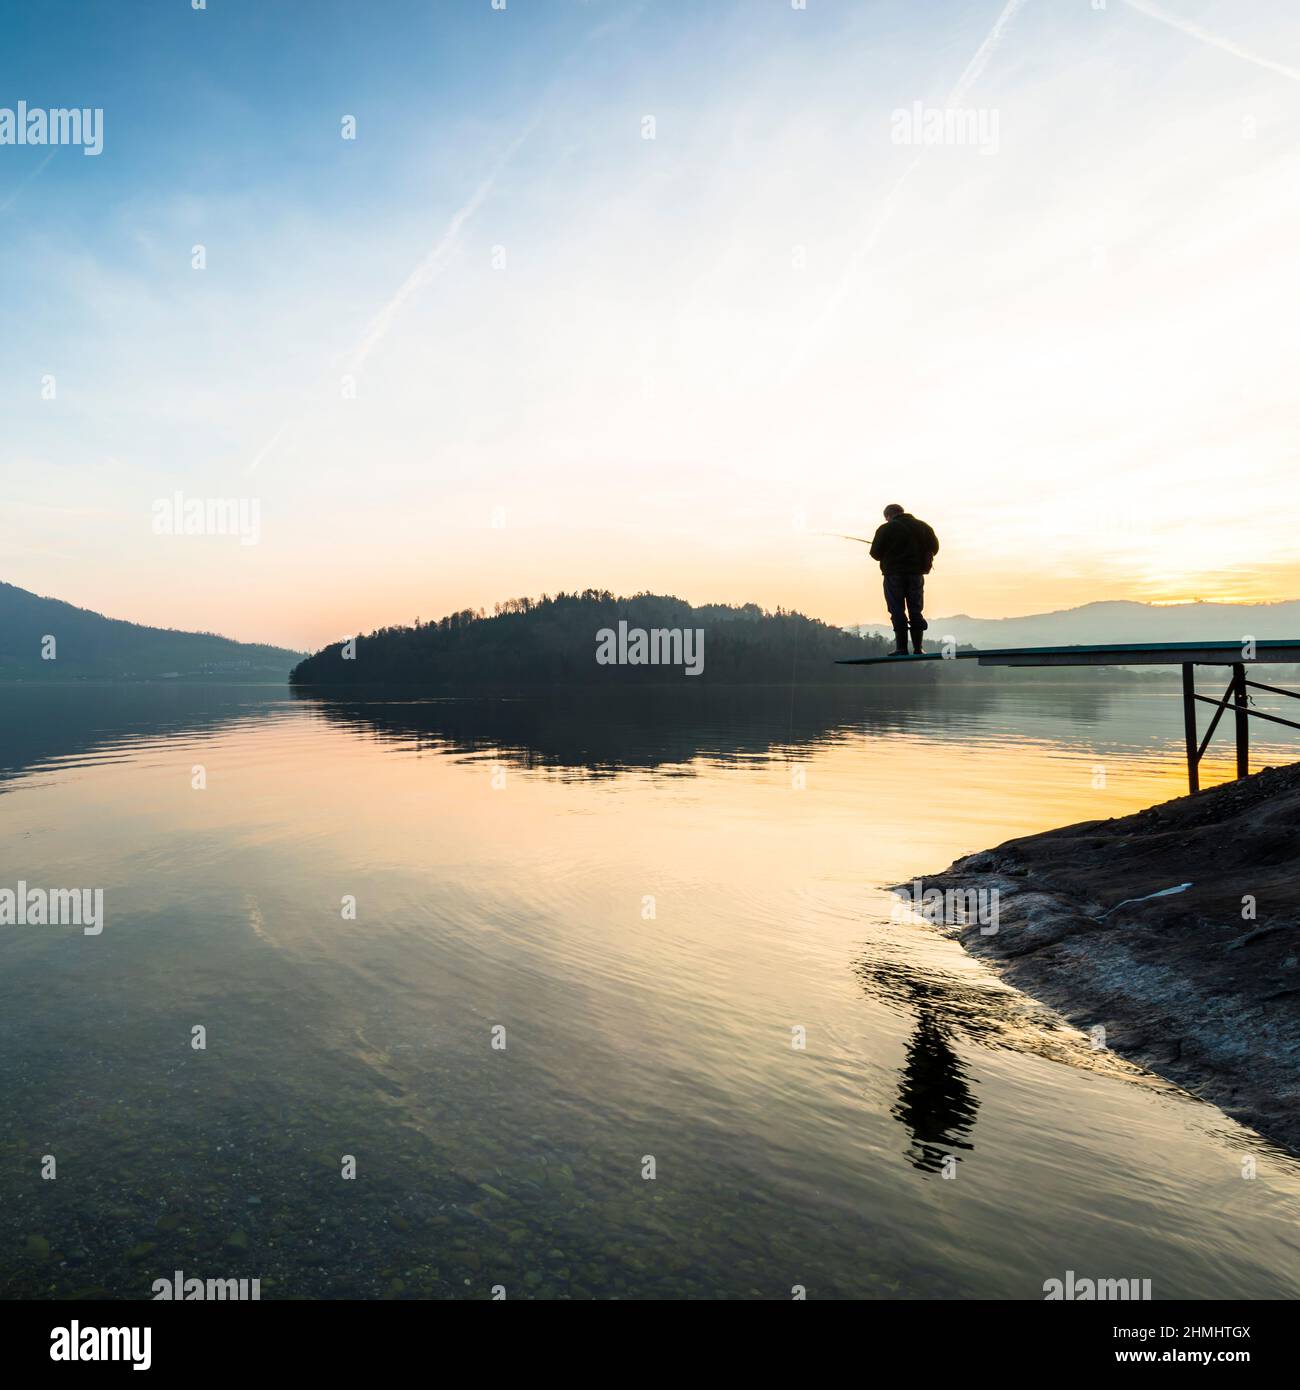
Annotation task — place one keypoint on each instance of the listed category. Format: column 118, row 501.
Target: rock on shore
column 1200, row 986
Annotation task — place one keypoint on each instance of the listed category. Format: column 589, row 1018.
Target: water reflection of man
column 934, row 1101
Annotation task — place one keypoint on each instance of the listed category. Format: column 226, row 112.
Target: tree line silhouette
column 552, row 640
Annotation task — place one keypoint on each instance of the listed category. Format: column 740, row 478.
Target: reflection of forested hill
column 555, row 641
column 80, row 721
column 583, row 731
column 601, row 731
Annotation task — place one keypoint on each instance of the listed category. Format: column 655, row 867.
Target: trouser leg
column 915, row 617
column 896, row 602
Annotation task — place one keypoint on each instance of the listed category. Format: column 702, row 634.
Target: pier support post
column 1241, row 714
column 1189, row 727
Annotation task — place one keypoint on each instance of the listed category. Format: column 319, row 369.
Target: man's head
column 892, row 511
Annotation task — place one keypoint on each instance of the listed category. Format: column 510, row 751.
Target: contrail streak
column 13, row 197
column 431, row 265
column 1214, row 40
column 985, row 51
column 883, row 217
column 426, row 271
column 266, row 448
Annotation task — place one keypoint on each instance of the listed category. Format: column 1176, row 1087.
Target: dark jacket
column 905, row 545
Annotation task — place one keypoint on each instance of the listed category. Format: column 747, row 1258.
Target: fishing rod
column 840, row 536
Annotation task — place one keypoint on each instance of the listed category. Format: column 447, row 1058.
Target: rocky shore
column 1200, row 985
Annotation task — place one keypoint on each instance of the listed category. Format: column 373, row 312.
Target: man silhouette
column 905, row 547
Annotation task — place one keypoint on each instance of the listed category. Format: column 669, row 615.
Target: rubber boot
column 900, row 642
column 918, row 645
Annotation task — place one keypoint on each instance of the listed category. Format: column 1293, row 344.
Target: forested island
column 597, row 638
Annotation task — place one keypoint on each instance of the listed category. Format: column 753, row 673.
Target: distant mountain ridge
column 1119, row 620
column 89, row 646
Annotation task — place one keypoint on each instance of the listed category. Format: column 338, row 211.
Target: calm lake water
column 648, row 896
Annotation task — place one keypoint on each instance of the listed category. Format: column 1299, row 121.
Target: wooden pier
column 1187, row 655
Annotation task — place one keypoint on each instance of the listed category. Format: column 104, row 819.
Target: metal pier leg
column 1242, row 717
column 1189, row 727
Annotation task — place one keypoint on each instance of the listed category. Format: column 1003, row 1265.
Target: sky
column 649, row 297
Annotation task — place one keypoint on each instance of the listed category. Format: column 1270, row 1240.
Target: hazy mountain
column 1119, row 621
column 89, row 646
